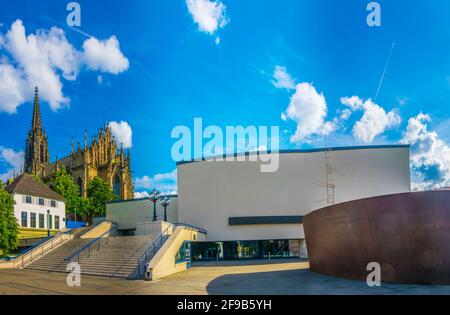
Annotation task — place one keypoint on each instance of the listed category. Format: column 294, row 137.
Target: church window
column 117, row 185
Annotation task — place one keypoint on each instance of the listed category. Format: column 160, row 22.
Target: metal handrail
column 152, row 250
column 162, row 238
column 193, row 227
column 29, row 256
column 88, row 247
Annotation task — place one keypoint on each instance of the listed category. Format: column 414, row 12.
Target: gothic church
column 99, row 158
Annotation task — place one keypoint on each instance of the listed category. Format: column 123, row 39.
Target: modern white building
column 37, row 206
column 252, row 214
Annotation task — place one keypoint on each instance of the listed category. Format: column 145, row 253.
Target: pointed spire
column 85, row 139
column 37, row 122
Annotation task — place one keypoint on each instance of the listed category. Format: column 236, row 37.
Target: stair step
column 119, row 258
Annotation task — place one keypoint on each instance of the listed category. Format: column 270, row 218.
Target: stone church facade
column 99, row 157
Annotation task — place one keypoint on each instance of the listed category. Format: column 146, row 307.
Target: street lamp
column 48, row 223
column 154, row 197
column 165, row 201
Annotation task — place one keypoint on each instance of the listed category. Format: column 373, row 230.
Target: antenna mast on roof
column 330, row 185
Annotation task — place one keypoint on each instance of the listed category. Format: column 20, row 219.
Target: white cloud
column 122, row 133
column 141, row 194
column 37, row 57
column 345, row 114
column 13, row 88
column 104, row 55
column 166, row 183
column 44, row 58
column 282, row 79
column 430, row 156
column 209, row 15
column 14, row 161
column 308, row 109
column 374, row 121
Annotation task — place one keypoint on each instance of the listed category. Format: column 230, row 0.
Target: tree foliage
column 65, row 186
column 99, row 193
column 9, row 228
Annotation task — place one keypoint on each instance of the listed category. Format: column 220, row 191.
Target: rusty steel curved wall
column 407, row 234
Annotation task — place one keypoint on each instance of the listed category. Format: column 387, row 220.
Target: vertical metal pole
column 48, row 223
column 155, row 218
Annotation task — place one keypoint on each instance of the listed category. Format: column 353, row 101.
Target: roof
column 27, row 185
column 371, row 147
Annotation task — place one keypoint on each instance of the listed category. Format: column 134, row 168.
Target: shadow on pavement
column 305, row 282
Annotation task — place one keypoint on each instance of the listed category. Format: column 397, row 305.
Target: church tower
column 36, row 147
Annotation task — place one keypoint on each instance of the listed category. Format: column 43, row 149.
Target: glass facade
column 241, row 250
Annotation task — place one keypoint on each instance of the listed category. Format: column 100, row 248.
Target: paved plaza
column 253, row 277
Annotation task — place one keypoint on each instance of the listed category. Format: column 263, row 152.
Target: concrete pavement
column 251, row 277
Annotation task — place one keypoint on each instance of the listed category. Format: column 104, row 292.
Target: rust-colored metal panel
column 407, row 234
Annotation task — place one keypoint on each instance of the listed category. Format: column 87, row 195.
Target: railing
column 153, row 249
column 88, row 247
column 40, row 249
column 192, row 227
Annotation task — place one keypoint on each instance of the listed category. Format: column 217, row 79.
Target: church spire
column 36, row 124
column 36, row 146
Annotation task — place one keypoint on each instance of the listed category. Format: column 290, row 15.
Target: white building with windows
column 252, row 214
column 37, row 206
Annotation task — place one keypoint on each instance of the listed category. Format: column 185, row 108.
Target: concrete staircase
column 115, row 257
column 54, row 260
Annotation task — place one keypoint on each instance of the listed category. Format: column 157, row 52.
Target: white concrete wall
column 129, row 212
column 211, row 192
column 154, row 229
column 163, row 263
column 34, row 207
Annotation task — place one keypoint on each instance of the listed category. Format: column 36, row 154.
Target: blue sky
column 317, row 64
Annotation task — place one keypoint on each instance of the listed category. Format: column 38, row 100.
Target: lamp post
column 48, row 222
column 165, row 201
column 154, row 197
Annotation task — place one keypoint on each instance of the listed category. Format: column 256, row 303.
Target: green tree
column 99, row 193
column 66, row 187
column 9, row 228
